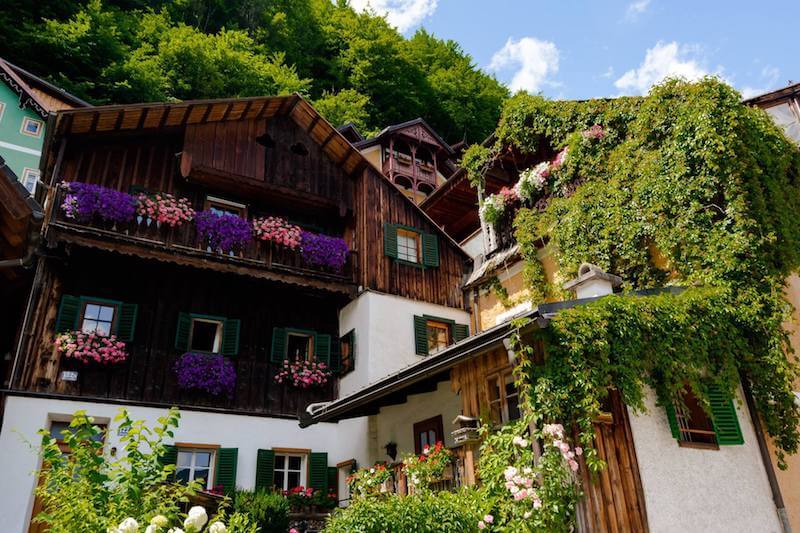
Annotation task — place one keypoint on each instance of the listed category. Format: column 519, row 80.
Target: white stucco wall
column 688, row 489
column 384, row 326
column 25, row 416
column 396, row 423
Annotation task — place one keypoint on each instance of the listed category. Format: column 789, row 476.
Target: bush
column 443, row 512
column 269, row 510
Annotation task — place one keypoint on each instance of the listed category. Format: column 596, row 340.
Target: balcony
column 181, row 245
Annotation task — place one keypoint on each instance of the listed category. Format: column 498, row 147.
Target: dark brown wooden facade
column 276, row 157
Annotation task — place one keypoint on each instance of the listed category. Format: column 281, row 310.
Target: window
column 347, row 352
column 290, row 470
column 98, row 318
column 195, row 463
column 428, row 433
column 408, row 246
column 299, row 345
column 438, row 335
column 31, row 127
column 694, row 425
column 206, row 335
column 432, row 334
column 503, row 397
column 30, row 176
column 220, row 206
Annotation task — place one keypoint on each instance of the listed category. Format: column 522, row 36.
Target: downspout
column 777, row 497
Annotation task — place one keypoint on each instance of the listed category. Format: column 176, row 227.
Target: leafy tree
column 344, row 107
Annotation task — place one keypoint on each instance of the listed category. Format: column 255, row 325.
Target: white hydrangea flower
column 217, row 527
column 159, row 521
column 129, row 525
column 197, row 518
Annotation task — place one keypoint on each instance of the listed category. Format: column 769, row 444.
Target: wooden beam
column 207, row 112
column 95, row 118
column 118, row 122
column 187, row 112
column 164, row 117
column 328, row 139
column 313, row 123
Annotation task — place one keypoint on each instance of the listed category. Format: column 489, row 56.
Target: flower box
column 86, row 202
column 324, row 251
column 223, row 233
column 210, row 373
column 302, row 374
column 163, row 208
column 91, row 347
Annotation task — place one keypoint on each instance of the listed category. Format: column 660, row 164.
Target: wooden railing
column 452, row 478
column 184, row 238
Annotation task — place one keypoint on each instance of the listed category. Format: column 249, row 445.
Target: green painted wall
column 16, row 147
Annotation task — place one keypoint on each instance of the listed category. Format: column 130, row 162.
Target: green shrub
column 269, row 510
column 443, row 512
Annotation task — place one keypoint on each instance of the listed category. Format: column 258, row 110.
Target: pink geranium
column 303, row 374
column 91, row 347
column 164, row 208
column 277, row 230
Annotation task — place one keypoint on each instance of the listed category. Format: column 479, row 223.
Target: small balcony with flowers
column 187, row 230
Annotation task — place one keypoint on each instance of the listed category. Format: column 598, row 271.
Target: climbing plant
column 684, row 187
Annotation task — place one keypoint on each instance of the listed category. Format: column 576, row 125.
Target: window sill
column 698, row 445
column 409, row 263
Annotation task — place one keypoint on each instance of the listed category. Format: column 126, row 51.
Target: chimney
column 593, row 281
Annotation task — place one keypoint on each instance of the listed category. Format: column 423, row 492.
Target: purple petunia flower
column 87, row 201
column 223, row 232
column 212, row 373
column 322, row 250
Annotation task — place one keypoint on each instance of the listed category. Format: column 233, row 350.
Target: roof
column 157, row 116
column 350, row 131
column 764, row 100
column 18, row 212
column 424, row 375
column 397, row 127
column 36, row 93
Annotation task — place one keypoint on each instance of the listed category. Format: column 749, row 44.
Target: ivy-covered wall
column 685, row 186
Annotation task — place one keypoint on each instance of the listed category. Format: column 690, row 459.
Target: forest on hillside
column 353, row 66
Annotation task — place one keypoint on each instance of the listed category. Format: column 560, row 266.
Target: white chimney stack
column 593, row 281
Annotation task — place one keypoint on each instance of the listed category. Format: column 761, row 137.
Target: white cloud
column 636, row 8
column 609, row 73
column 402, row 14
column 664, row 60
column 532, row 60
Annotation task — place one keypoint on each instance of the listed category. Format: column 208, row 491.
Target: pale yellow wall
column 488, row 304
column 789, row 479
column 373, row 155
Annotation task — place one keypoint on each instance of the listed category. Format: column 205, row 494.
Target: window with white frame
column 206, row 335
column 195, row 463
column 503, row 397
column 98, row 317
column 31, row 127
column 290, row 470
column 30, row 176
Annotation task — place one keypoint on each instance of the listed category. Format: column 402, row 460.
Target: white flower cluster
column 520, row 484
column 194, row 523
column 532, row 181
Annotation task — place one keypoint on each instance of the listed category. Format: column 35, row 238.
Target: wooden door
column 613, row 499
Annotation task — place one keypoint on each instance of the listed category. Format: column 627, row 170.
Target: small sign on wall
column 69, row 375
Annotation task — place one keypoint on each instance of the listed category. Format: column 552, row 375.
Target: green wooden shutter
column 278, row 345
column 230, row 336
column 265, row 469
column 68, row 312
column 390, row 240
column 430, row 250
column 336, row 355
column 318, row 464
column 227, row 460
column 726, row 422
column 333, row 479
column 460, row 332
column 672, row 419
column 421, row 335
column 322, row 348
column 126, row 325
column 182, row 332
column 170, row 455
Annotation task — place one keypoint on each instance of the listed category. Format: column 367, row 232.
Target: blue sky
column 583, row 49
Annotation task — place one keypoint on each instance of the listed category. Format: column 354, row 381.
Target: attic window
column 299, row 149
column 265, row 141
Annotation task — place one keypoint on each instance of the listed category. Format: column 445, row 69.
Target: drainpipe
column 777, row 497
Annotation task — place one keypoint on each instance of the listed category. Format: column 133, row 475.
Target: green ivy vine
column 686, row 186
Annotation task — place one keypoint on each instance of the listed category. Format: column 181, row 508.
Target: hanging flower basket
column 277, row 230
column 303, row 374
column 91, row 348
column 223, row 233
column 85, row 202
column 324, row 251
column 211, row 373
column 163, row 208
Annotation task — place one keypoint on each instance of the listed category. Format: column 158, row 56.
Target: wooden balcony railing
column 183, row 239
column 452, row 478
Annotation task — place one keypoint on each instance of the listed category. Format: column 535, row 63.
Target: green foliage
column 444, row 512
column 346, row 106
column 269, row 510
column 90, row 491
column 144, row 50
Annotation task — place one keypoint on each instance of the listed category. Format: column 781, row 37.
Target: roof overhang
column 424, row 375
